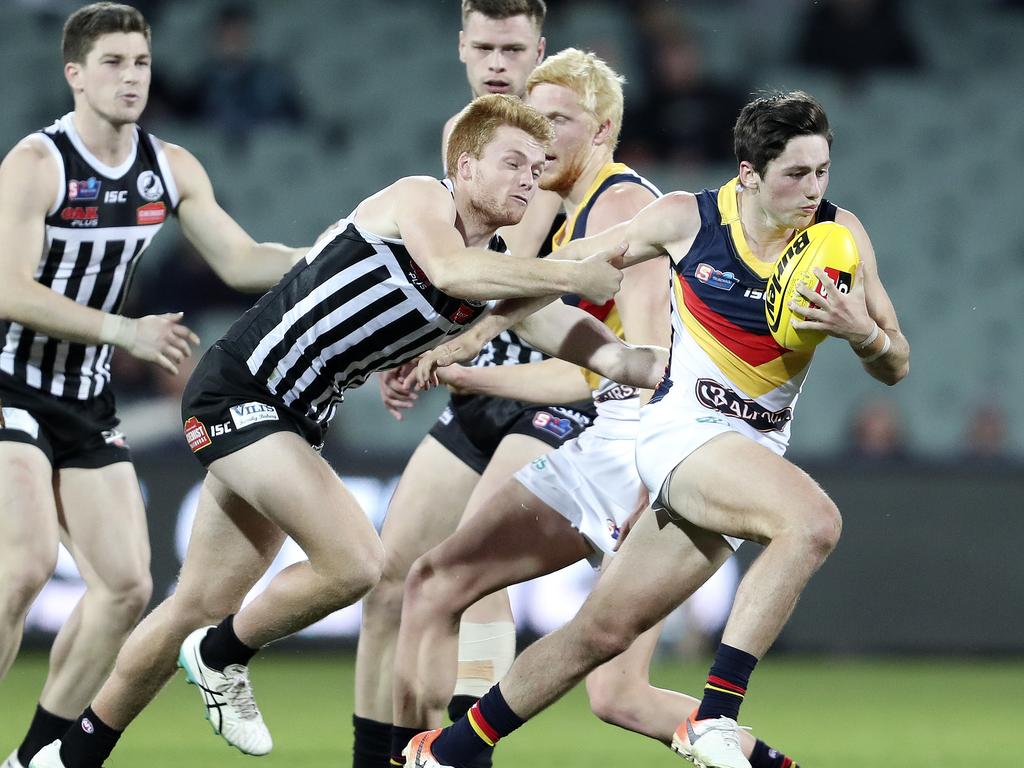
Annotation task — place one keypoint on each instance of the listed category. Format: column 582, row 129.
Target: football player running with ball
column 711, row 440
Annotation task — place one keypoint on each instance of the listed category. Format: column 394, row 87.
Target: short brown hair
column 767, row 123
column 475, row 126
column 534, row 10
column 86, row 25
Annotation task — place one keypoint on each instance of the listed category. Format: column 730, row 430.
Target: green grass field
column 825, row 712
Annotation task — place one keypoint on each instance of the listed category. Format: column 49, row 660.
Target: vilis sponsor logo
column 196, row 435
column 775, row 292
column 115, row 196
column 150, row 213
column 720, row 398
column 150, row 186
column 84, row 190
column 81, row 215
column 247, row 414
column 716, row 278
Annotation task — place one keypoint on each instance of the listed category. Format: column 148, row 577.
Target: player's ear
column 72, row 74
column 542, row 45
column 464, row 166
column 462, row 46
column 749, row 178
column 603, row 133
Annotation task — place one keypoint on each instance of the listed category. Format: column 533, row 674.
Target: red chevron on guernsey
column 752, row 348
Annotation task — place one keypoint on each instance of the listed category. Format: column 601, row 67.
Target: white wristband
column 117, row 330
column 886, row 345
column 870, row 337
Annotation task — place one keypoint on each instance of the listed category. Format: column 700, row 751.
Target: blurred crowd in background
column 688, row 71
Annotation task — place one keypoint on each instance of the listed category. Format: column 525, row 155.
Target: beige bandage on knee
column 486, row 652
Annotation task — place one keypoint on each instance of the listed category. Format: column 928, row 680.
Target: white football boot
column 228, row 698
column 710, row 743
column 47, row 757
column 417, row 753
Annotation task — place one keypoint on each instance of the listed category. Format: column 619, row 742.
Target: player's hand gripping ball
column 827, row 245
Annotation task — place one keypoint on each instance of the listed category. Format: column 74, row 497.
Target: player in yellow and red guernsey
column 573, row 502
column 711, row 441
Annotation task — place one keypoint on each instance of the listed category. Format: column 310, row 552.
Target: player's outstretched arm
column 424, row 214
column 549, row 381
column 237, row 259
column 28, row 178
column 865, row 316
column 571, row 334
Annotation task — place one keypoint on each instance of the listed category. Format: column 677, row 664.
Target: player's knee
column 382, row 605
column 609, row 698
column 355, row 574
column 824, row 528
column 431, row 587
column 20, row 584
column 127, row 598
column 603, row 641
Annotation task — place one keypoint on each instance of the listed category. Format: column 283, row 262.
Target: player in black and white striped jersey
column 407, row 269
column 79, row 203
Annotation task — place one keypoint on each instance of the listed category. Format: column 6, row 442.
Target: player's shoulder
column 424, row 190
column 30, row 161
column 860, row 235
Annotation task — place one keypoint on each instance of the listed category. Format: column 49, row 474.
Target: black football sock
column 45, row 728
column 222, row 647
column 371, row 746
column 488, row 720
column 400, row 738
column 764, row 756
column 727, row 683
column 457, row 708
column 88, row 742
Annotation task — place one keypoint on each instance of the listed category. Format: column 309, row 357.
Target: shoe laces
column 728, row 729
column 238, row 692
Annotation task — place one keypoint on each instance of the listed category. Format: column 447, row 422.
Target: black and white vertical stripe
column 356, row 304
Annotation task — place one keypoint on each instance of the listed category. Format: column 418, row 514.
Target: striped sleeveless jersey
column 101, row 221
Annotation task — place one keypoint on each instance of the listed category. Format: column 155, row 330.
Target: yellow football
column 827, row 245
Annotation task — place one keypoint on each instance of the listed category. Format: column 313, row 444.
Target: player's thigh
column 519, row 537
column 426, row 506
column 230, row 547
column 105, row 519
column 735, row 486
column 513, row 453
column 302, row 496
column 659, row 565
column 29, row 531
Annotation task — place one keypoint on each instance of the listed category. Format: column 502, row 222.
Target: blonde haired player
column 711, row 440
column 574, row 502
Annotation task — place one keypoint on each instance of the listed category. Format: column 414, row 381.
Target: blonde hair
column 475, row 126
column 597, row 85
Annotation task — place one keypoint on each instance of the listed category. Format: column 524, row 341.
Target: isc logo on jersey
column 247, row 414
column 828, row 246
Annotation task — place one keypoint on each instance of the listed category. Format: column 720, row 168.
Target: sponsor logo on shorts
column 580, row 418
column 19, row 419
column 463, row 314
column 446, row 416
column 716, row 278
column 613, row 530
column 84, row 190
column 247, row 414
column 713, row 395
column 150, row 213
column 115, row 437
column 556, row 426
column 540, row 464
column 150, row 186
column 220, row 429
column 617, row 392
column 195, row 434
column 711, row 420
